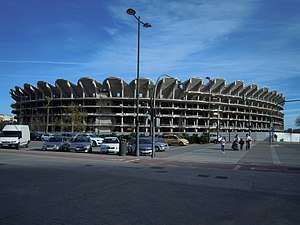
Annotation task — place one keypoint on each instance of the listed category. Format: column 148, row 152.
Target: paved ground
column 280, row 157
column 283, row 157
column 190, row 185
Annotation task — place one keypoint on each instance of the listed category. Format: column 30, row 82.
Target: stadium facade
column 192, row 107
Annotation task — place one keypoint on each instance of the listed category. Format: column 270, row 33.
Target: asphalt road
column 76, row 188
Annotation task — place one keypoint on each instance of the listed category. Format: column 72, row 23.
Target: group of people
column 238, row 143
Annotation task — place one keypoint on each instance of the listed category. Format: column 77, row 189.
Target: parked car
column 45, row 137
column 172, row 139
column 68, row 135
column 34, row 136
column 145, row 146
column 110, row 145
column 96, row 141
column 56, row 143
column 214, row 138
column 161, row 145
column 81, row 143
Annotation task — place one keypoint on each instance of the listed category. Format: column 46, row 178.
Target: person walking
column 241, row 142
column 223, row 142
column 235, row 143
column 248, row 141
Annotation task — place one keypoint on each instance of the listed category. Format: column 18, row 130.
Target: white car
column 45, row 137
column 96, row 141
column 110, row 145
column 215, row 138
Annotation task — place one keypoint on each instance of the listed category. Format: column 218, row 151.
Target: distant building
column 6, row 118
column 111, row 106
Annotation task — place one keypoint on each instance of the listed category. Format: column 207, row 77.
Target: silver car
column 161, row 145
column 56, row 143
column 81, row 144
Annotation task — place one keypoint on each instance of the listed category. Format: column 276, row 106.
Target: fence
column 263, row 136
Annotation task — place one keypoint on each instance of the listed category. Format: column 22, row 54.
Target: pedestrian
column 235, row 143
column 236, row 138
column 241, row 142
column 223, row 142
column 248, row 141
column 275, row 137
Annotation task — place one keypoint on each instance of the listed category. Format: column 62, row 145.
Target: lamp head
column 147, row 25
column 131, row 11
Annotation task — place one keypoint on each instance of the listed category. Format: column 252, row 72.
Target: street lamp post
column 246, row 99
column 209, row 102
column 100, row 110
column 146, row 25
column 48, row 100
column 153, row 111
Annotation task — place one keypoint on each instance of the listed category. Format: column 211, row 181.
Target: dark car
column 68, row 135
column 56, row 143
column 81, row 144
column 146, row 145
column 35, row 136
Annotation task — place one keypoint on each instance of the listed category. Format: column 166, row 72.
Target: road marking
column 108, row 159
column 132, row 160
column 237, row 167
column 274, row 155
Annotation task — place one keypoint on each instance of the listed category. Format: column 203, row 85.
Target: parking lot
column 279, row 156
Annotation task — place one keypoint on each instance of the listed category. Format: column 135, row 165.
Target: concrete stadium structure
column 193, row 107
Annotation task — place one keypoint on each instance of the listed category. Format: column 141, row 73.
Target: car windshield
column 55, row 139
column 93, row 136
column 159, row 139
column 81, row 139
column 10, row 134
column 111, row 140
column 145, row 141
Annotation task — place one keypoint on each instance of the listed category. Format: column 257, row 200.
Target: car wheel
column 180, row 143
column 157, row 149
column 94, row 144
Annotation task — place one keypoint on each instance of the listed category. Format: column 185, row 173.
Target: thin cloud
column 176, row 34
column 42, row 62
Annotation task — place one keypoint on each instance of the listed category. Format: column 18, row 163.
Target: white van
column 15, row 136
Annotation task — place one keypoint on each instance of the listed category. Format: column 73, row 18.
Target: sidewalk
column 261, row 153
column 210, row 153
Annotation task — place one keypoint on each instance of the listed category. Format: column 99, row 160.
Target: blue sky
column 257, row 41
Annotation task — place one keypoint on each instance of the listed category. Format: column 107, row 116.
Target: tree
column 297, row 122
column 76, row 116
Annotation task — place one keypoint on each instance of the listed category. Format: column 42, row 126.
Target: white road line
column 132, row 160
column 274, row 155
column 115, row 159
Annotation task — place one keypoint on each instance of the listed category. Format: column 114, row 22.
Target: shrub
column 204, row 138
